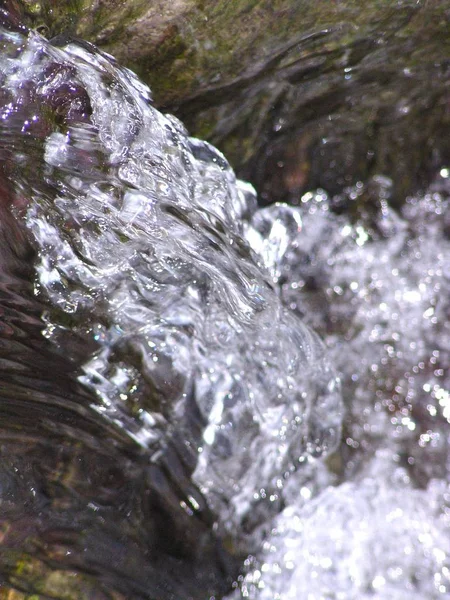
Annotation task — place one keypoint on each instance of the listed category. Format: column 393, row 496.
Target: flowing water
column 377, row 287
column 171, row 424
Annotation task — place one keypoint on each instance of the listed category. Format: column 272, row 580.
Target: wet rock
column 297, row 96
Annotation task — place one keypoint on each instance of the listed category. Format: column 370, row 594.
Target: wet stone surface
column 298, row 95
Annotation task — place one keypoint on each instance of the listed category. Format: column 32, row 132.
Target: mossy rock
column 298, row 94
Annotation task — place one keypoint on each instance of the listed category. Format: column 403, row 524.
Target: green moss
column 32, row 579
column 53, row 17
column 9, row 593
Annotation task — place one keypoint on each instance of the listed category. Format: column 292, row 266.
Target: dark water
column 171, row 425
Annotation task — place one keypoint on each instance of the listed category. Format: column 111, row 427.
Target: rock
column 297, row 95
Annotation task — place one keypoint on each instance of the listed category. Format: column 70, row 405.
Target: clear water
column 189, row 317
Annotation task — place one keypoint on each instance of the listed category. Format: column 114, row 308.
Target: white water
column 378, row 289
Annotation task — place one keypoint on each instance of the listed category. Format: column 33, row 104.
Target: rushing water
column 377, row 287
column 171, row 424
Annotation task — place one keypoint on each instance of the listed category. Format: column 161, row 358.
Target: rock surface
column 296, row 94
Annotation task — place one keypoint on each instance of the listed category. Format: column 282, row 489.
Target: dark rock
column 297, row 95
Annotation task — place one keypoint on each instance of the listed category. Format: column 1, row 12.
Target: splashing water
column 187, row 315
column 150, row 288
column 377, row 288
column 374, row 537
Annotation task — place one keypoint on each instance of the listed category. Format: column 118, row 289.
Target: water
column 376, row 286
column 181, row 421
column 148, row 288
column 374, row 537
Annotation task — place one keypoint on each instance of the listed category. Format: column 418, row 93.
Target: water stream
column 172, row 426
